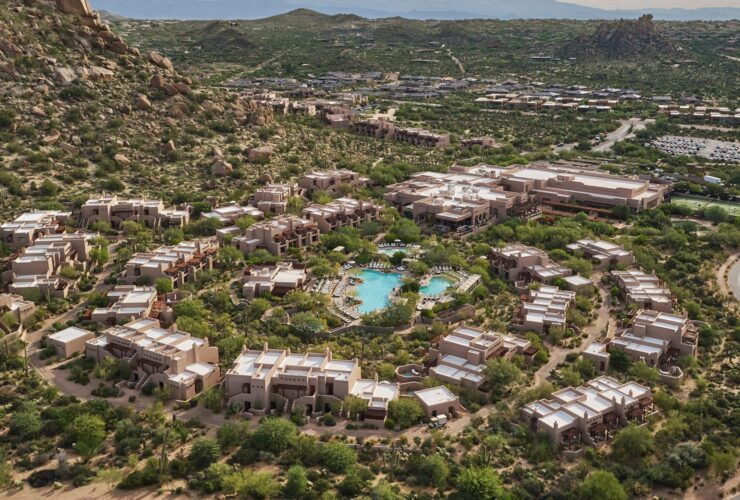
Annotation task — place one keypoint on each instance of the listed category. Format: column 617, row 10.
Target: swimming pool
column 375, row 289
column 436, row 286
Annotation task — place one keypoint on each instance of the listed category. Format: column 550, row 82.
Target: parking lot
column 694, row 146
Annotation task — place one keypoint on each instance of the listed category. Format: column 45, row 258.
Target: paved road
column 622, row 133
column 731, row 268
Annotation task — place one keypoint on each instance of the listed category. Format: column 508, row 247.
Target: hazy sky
column 646, row 4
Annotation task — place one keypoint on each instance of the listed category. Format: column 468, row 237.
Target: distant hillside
column 621, row 39
column 411, row 9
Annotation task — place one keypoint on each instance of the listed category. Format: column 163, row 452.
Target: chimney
column 265, row 347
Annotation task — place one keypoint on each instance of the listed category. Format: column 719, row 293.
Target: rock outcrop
column 625, row 38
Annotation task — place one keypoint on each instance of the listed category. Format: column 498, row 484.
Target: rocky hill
column 621, row 39
column 83, row 112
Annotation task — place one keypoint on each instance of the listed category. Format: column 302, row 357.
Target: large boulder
column 221, row 168
column 65, row 75
column 121, row 160
column 157, row 82
column 143, row 102
column 159, row 60
column 76, row 7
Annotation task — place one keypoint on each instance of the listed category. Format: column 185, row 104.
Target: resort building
column 438, row 401
column 573, row 188
column 166, row 358
column 69, row 341
column 517, row 262
column 14, row 310
column 126, row 303
column 27, row 228
column 454, row 201
column 278, row 235
column 273, row 198
column 277, row 279
column 378, row 395
column 180, row 263
column 384, row 129
column 331, row 181
column 149, row 213
column 261, row 380
column 460, row 358
column 590, row 414
column 545, row 308
column 421, row 137
column 657, row 338
column 34, row 272
column 342, row 212
column 230, row 213
column 604, row 254
column 644, row 290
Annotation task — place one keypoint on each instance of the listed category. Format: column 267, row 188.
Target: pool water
column 436, row 286
column 390, row 252
column 375, row 290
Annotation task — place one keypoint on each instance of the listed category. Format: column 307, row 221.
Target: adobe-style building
column 127, row 303
column 149, row 213
column 35, row 271
column 515, row 262
column 166, row 358
column 421, row 137
column 69, row 341
column 331, row 181
column 546, row 307
column 262, row 379
column 603, row 254
column 657, row 338
column 277, row 279
column 572, row 187
column 454, row 201
column 342, row 212
column 438, row 401
column 14, row 310
column 28, row 227
column 277, row 235
column 273, row 198
column 590, row 414
column 644, row 290
column 228, row 214
column 180, row 263
column 460, row 358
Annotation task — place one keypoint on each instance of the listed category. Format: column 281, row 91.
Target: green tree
column 631, row 444
column 275, row 435
column 204, row 452
column 87, row 432
column 602, row 485
column 501, row 373
column 232, row 434
column 229, row 257
column 354, row 406
column 644, row 373
column 337, row 457
column 163, row 285
column 296, row 484
column 25, row 422
column 173, row 236
column 404, row 230
column 307, row 324
column 480, row 483
column 715, row 214
column 405, row 412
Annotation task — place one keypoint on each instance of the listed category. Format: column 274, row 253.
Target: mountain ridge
column 465, row 9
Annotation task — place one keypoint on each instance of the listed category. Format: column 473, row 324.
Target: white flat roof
column 435, row 396
column 70, row 334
